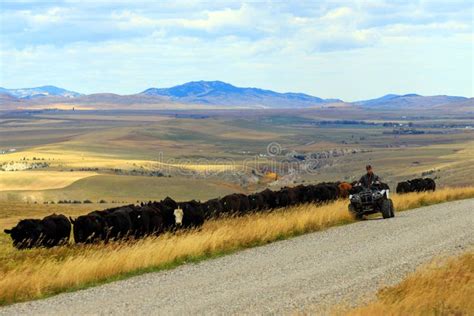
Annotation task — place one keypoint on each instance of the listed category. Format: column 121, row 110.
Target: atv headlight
column 355, row 199
column 376, row 195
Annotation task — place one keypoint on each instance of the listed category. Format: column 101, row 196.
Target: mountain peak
column 223, row 93
column 192, row 88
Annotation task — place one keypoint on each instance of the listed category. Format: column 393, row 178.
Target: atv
column 371, row 200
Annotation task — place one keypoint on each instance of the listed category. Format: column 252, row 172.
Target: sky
column 351, row 50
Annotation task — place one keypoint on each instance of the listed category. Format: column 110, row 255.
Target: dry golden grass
column 39, row 180
column 412, row 200
column 38, row 272
column 58, row 156
column 444, row 287
column 203, row 168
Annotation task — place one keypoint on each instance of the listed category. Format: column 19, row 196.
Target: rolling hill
column 395, row 101
column 43, row 91
column 466, row 106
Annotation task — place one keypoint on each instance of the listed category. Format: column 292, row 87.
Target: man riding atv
column 369, row 178
column 370, row 196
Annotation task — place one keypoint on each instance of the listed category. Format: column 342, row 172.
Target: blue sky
column 345, row 49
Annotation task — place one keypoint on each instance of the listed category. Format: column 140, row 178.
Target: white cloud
column 430, row 29
column 314, row 47
column 227, row 17
column 339, row 13
column 127, row 20
column 207, row 20
column 52, row 15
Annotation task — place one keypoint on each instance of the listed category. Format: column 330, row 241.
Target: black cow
column 257, row 202
column 403, row 187
column 303, row 194
column 430, row 184
column 56, row 230
column 333, row 190
column 212, row 208
column 286, row 197
column 118, row 223
column 311, row 193
column 244, row 204
column 146, row 220
column 230, row 204
column 169, row 204
column 51, row 231
column 417, row 185
column 26, row 234
column 235, row 204
column 320, row 193
column 157, row 219
column 270, row 198
column 190, row 205
column 90, row 228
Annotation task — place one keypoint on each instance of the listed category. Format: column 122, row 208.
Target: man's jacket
column 368, row 179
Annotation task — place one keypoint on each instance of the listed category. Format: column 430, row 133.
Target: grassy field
column 443, row 287
column 126, row 156
column 125, row 189
column 40, row 272
column 39, row 180
column 207, row 154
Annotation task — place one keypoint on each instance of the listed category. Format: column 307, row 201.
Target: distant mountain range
column 212, row 94
column 44, row 91
column 221, row 93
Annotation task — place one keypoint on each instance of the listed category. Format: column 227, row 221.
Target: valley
column 129, row 156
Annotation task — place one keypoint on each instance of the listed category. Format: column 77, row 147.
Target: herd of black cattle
column 416, row 185
column 154, row 218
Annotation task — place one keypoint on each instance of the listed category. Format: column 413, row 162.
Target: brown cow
column 344, row 189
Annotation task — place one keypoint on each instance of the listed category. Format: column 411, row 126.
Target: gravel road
column 342, row 264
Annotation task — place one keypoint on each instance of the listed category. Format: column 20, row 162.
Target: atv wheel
column 387, row 208
column 392, row 209
column 354, row 213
